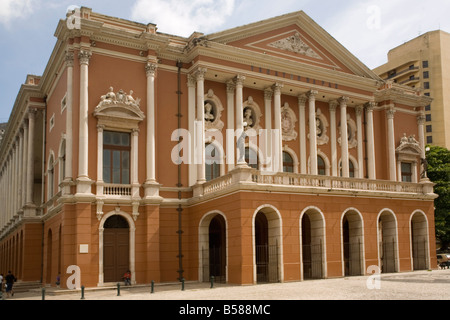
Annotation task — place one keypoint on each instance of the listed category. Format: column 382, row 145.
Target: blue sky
column 367, row 28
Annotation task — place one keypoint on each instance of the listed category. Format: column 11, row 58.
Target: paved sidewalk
column 418, row 285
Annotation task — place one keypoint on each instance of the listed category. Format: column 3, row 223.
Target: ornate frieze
column 296, row 45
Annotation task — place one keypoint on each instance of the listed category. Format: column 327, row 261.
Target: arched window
column 51, row 177
column 288, row 162
column 212, row 163
column 321, row 167
column 351, row 168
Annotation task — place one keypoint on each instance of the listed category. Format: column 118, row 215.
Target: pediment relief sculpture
column 118, row 107
column 288, row 121
column 213, row 111
column 321, row 128
column 408, row 146
column 295, row 44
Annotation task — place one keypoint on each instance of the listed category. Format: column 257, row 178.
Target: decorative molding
column 321, row 128
column 288, row 121
column 252, row 114
column 296, row 45
column 213, row 111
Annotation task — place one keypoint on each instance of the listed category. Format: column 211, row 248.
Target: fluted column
column 239, row 82
column 334, row 159
column 150, row 70
column 391, row 144
column 370, row 140
column 30, row 158
column 302, row 128
column 359, row 110
column 83, row 185
column 344, row 137
column 201, row 165
column 191, row 84
column 277, row 148
column 312, row 131
column 69, row 117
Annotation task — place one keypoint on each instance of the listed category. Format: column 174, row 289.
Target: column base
column 151, row 192
column 84, row 188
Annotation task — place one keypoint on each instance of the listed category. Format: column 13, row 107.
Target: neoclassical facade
column 263, row 153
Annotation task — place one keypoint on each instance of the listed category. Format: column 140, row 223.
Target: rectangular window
column 116, row 157
column 429, row 139
column 428, row 108
column 406, row 172
column 429, row 128
column 425, row 64
column 426, row 85
column 428, row 117
column 426, row 75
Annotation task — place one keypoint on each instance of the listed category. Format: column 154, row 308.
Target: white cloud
column 369, row 29
column 181, row 17
column 13, row 9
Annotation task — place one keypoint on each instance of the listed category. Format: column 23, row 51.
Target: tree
column 438, row 159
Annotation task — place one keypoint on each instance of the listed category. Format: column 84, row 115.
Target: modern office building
column 423, row 63
column 262, row 153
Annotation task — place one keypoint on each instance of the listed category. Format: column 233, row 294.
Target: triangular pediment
column 294, row 37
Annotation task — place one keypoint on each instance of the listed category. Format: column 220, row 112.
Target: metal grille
column 267, row 263
column 420, row 255
column 312, row 262
column 213, row 264
column 388, row 257
column 352, row 258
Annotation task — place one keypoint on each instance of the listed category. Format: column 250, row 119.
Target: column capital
column 302, row 99
column 421, row 119
column 150, row 69
column 100, row 127
column 268, row 94
column 343, row 100
column 333, row 105
column 311, row 94
column 239, row 80
column 359, row 109
column 69, row 58
column 84, row 56
column 390, row 113
column 199, row 74
column 370, row 105
column 276, row 87
column 231, row 86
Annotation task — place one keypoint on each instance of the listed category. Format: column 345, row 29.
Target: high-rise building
column 262, row 153
column 423, row 63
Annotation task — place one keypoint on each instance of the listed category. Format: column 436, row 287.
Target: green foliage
column 438, row 159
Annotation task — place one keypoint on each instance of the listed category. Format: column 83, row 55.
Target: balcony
column 254, row 180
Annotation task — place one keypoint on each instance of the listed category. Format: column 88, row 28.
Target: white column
column 83, row 185
column 312, row 132
column 200, row 76
column 420, row 124
column 344, row 138
column 277, row 147
column 30, row 158
column 239, row 82
column 134, row 166
column 100, row 181
column 69, row 116
column 333, row 136
column 231, row 87
column 359, row 110
column 302, row 128
column 191, row 83
column 20, row 171
column 150, row 69
column 391, row 144
column 25, row 164
column 370, row 140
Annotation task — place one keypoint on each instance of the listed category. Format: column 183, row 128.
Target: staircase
column 24, row 286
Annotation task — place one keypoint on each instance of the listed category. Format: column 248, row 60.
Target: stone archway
column 352, row 243
column 419, row 241
column 387, row 241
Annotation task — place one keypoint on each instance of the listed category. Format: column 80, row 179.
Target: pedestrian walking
column 10, row 279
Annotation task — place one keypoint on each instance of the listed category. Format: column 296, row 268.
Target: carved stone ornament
column 252, row 115
column 213, row 111
column 296, row 45
column 288, row 121
column 119, row 109
column 321, row 128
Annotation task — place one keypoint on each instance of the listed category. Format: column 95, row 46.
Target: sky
column 368, row 28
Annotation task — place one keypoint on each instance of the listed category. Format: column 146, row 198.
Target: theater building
column 262, row 153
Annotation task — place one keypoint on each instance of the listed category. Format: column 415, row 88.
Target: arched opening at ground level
column 419, row 241
column 387, row 242
column 213, row 248
column 352, row 243
column 267, row 245
column 312, row 231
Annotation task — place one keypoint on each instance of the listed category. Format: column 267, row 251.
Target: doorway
column 116, row 246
